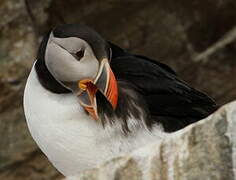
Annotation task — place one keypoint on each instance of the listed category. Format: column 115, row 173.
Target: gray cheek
column 58, row 62
column 89, row 68
column 78, row 70
column 64, row 67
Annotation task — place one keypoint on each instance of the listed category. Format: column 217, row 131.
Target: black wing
column 170, row 101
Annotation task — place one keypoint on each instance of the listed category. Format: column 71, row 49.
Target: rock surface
column 178, row 33
column 205, row 150
column 19, row 155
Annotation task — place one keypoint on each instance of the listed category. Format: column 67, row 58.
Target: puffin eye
column 79, row 54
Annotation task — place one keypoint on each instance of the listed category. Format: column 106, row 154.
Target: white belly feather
column 69, row 137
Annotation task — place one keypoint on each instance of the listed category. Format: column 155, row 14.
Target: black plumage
column 169, row 100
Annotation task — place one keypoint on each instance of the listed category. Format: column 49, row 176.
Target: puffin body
column 71, row 139
column 87, row 100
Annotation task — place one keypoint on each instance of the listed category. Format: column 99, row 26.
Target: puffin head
column 76, row 59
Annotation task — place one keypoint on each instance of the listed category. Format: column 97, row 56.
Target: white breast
column 69, row 137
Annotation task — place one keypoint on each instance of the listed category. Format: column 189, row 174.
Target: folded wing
column 170, row 100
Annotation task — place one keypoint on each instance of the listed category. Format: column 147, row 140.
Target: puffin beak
column 105, row 82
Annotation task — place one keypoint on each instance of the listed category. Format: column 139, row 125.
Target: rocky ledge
column 204, row 150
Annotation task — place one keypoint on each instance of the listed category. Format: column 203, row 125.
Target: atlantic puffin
column 87, row 100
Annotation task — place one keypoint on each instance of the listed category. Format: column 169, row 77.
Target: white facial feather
column 63, row 65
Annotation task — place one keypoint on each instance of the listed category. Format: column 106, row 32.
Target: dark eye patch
column 79, row 54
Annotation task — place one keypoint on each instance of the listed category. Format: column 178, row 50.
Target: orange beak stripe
column 112, row 91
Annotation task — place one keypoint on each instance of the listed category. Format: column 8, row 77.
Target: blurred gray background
column 196, row 38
